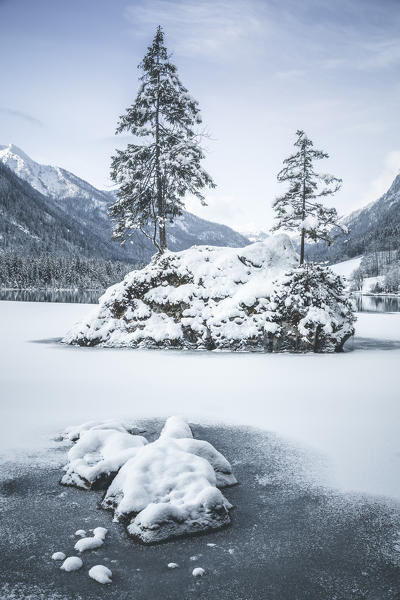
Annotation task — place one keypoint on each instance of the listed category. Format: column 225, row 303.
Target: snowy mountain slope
column 347, row 267
column 373, row 228
column 54, row 182
column 31, row 224
column 88, row 206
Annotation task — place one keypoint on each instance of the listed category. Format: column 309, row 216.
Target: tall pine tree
column 299, row 209
column 154, row 176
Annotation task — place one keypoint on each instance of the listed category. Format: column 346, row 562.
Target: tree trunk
column 303, row 215
column 302, row 247
column 160, row 200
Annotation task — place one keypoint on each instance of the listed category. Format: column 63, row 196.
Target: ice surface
column 101, row 574
column 352, row 397
column 72, row 563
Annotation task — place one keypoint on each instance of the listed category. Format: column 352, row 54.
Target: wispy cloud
column 10, row 112
column 212, row 28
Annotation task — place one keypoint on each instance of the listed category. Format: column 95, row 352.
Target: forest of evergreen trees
column 67, row 272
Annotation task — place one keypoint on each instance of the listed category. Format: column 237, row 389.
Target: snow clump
column 91, row 543
column 58, row 556
column 198, row 572
column 100, row 574
column 72, row 563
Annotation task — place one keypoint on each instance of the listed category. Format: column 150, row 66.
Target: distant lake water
column 363, row 303
column 378, row 303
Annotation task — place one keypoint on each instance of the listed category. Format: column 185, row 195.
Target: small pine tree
column 299, row 209
column 154, row 176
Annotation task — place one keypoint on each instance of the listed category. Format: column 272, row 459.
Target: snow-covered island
column 243, row 299
column 161, row 490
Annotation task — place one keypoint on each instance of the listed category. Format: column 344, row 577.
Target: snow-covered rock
column 162, row 489
column 198, row 572
column 98, row 454
column 204, row 297
column 101, row 574
column 72, row 563
column 224, row 299
column 170, row 491
column 172, row 565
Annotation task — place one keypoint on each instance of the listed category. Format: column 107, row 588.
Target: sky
column 260, row 70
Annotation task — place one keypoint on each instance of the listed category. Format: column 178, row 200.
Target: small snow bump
column 211, row 545
column 198, row 572
column 172, row 565
column 80, row 532
column 58, row 556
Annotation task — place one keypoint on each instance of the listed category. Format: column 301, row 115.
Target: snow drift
column 206, row 298
column 161, row 490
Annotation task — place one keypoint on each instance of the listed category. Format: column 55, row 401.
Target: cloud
column 10, row 112
column 381, row 184
column 212, row 28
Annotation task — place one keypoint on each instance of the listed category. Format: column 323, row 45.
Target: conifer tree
column 156, row 173
column 299, row 209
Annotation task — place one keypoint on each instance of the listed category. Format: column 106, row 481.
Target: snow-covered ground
column 343, row 405
column 347, row 267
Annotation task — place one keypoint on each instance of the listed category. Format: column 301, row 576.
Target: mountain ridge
column 88, row 206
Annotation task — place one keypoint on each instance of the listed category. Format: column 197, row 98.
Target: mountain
column 87, row 206
column 374, row 228
column 255, row 235
column 31, row 224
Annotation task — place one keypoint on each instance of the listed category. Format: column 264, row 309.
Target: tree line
column 49, row 271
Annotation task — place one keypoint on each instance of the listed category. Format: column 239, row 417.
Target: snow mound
column 98, row 454
column 161, row 490
column 205, row 297
column 72, row 563
column 101, row 574
column 170, row 490
column 198, row 572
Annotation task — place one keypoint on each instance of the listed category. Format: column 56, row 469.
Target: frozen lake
column 345, row 406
